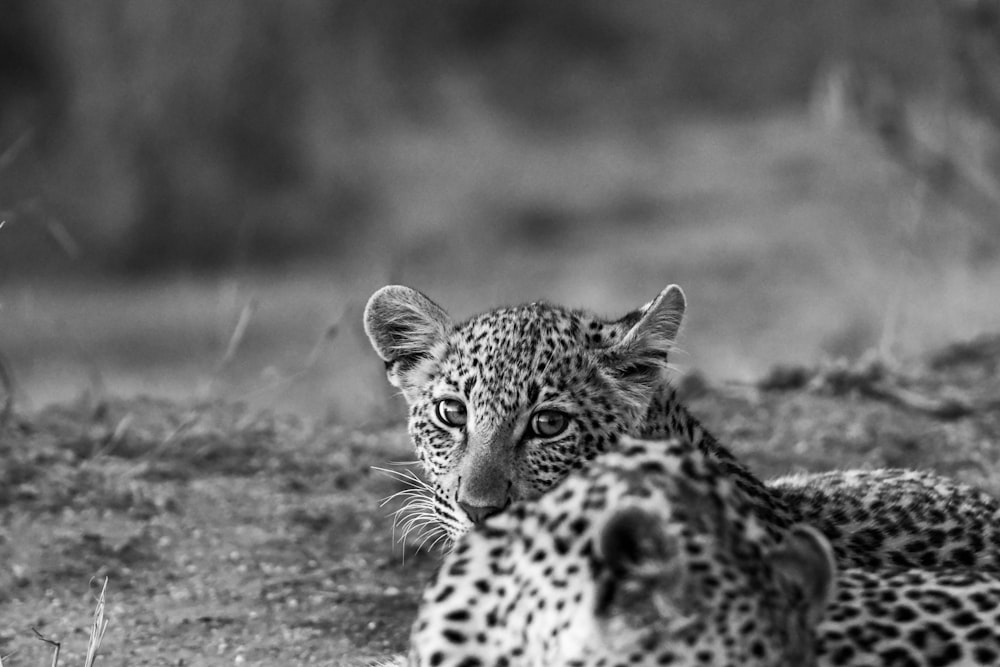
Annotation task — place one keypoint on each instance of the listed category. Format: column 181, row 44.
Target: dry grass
column 793, row 241
column 97, row 630
column 235, row 535
column 249, row 533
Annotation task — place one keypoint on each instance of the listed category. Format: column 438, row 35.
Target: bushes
column 203, row 133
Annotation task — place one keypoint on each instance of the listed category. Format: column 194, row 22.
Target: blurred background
column 198, row 197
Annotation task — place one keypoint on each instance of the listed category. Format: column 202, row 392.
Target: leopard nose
column 479, row 513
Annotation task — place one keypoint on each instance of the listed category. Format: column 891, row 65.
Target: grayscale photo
column 500, row 333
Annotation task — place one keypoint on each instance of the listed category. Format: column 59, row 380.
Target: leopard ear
column 659, row 321
column 402, row 325
column 803, row 563
column 641, row 351
column 632, row 542
column 642, row 582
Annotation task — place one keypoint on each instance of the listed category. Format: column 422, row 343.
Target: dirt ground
column 232, row 537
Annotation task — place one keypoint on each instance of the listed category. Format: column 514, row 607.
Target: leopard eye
column 548, row 423
column 451, row 412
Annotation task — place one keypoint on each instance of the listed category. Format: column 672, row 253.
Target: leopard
column 504, row 405
column 652, row 555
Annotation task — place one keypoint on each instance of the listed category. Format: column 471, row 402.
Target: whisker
column 409, row 524
column 415, row 500
column 417, row 523
column 414, row 514
column 437, row 533
column 434, row 544
column 414, row 494
column 405, row 475
column 413, row 504
column 416, row 520
column 423, row 540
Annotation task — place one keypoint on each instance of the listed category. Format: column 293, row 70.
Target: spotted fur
column 507, row 366
column 653, row 556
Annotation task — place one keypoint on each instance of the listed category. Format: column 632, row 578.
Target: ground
column 230, row 536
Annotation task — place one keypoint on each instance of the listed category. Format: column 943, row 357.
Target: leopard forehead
column 513, row 335
column 528, row 320
column 514, row 357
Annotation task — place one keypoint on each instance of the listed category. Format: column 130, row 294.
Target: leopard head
column 649, row 557
column 504, row 405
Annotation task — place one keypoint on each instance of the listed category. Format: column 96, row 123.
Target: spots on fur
column 662, row 560
column 607, row 376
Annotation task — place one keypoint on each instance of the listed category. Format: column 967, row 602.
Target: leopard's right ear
column 402, row 325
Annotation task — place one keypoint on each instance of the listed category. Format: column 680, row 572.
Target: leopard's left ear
column 642, row 350
column 804, row 564
column 642, row 582
column 637, row 552
column 661, row 318
column 633, row 543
